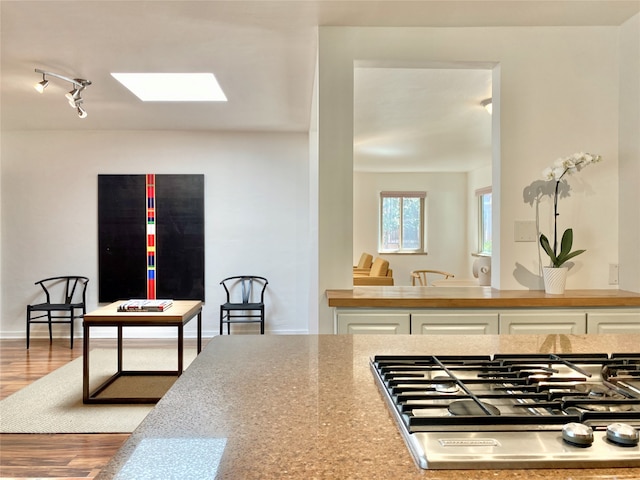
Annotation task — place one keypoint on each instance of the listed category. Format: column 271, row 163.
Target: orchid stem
column 555, row 219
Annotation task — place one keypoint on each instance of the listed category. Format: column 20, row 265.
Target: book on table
column 145, row 305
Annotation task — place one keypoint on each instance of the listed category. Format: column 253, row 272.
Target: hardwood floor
column 62, row 456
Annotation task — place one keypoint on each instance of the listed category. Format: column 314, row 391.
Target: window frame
column 483, row 226
column 402, row 195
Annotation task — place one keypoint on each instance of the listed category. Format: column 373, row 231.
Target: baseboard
column 144, row 332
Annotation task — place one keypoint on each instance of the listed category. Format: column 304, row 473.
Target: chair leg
column 261, row 321
column 28, row 325
column 71, row 328
column 50, row 332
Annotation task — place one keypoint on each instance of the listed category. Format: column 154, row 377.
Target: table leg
column 85, row 365
column 119, row 348
column 199, row 331
column 180, row 349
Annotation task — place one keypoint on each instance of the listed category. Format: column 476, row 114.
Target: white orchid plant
column 561, row 167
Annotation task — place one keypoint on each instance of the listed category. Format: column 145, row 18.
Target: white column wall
column 629, row 181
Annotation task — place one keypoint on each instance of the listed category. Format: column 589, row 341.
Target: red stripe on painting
column 151, row 238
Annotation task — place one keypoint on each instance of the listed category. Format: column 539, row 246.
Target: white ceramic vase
column 555, row 279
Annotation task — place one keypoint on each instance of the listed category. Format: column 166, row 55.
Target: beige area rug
column 53, row 404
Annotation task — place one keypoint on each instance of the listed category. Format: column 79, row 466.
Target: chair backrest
column 379, row 268
column 366, row 260
column 421, row 276
column 66, row 289
column 245, row 288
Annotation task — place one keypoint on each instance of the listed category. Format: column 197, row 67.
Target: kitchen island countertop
column 306, row 407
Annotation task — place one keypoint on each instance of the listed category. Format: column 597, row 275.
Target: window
column 484, row 220
column 402, row 222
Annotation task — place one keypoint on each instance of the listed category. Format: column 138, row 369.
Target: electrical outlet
column 525, row 231
column 613, row 274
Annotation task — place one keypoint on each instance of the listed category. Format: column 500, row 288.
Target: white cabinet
column 613, row 321
column 543, row 322
column 470, row 321
column 433, row 322
column 373, row 322
column 454, row 323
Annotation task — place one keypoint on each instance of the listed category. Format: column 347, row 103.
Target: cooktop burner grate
column 470, row 395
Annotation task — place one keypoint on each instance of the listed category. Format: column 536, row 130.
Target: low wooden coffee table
column 180, row 313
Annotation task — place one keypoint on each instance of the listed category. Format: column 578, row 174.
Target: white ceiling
column 263, row 54
column 420, row 119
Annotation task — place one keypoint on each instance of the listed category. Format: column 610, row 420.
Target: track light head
column 40, row 86
column 73, row 97
column 82, row 113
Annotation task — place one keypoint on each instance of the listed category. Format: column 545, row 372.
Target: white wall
column 256, row 212
column 558, row 94
column 446, row 216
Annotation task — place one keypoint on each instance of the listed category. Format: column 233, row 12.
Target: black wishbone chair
column 65, row 301
column 245, row 301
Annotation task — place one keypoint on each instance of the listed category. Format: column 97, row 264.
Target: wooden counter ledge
column 475, row 297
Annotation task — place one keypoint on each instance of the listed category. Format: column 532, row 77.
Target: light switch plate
column 525, row 231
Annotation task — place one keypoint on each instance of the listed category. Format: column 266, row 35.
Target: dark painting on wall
column 150, row 237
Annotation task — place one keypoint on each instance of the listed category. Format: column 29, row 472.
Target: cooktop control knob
column 622, row 434
column 577, row 434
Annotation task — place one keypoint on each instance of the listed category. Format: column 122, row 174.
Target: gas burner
column 471, row 407
column 445, row 385
column 602, row 407
column 596, row 390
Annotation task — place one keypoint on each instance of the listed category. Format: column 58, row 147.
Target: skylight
column 173, row 87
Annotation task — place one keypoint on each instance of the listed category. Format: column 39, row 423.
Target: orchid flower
column 560, row 168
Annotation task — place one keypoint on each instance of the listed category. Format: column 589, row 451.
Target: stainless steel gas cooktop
column 515, row 411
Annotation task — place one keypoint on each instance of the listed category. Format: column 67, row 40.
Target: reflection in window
column 401, row 222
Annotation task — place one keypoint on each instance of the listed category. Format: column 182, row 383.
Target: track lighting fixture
column 74, row 96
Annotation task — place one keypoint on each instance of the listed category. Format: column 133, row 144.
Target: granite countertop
column 475, row 297
column 306, row 407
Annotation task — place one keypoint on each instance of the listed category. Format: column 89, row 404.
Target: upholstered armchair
column 379, row 274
